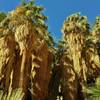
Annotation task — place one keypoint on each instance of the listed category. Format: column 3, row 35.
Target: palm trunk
column 7, row 57
column 25, row 72
column 77, row 70
column 42, row 74
column 69, row 81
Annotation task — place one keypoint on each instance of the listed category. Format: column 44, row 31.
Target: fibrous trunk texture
column 75, row 67
column 41, row 73
column 7, row 56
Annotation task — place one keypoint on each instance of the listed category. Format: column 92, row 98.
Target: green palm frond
column 15, row 95
column 2, row 16
column 76, row 22
column 96, row 26
column 92, row 92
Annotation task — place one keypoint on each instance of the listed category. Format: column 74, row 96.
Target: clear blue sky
column 58, row 10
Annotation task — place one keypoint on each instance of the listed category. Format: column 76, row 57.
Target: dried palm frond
column 23, row 32
column 15, row 95
column 74, row 30
column 75, row 39
column 40, row 69
column 25, row 36
column 74, row 23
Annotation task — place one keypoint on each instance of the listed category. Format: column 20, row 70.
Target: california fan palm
column 93, row 61
column 74, row 30
column 25, row 52
column 32, row 67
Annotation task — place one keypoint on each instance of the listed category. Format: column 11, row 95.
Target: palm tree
column 74, row 30
column 93, row 62
column 93, row 92
column 25, row 29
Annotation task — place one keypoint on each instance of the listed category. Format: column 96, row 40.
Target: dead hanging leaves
column 22, row 35
column 40, row 69
column 27, row 52
column 83, row 58
column 25, row 36
column 7, row 56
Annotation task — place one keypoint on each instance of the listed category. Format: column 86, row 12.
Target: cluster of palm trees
column 82, row 55
column 33, row 68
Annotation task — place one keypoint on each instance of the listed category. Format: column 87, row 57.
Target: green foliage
column 92, row 92
column 76, row 22
column 96, row 26
column 15, row 95
column 28, row 12
column 34, row 12
column 2, row 16
column 49, row 40
column 23, row 2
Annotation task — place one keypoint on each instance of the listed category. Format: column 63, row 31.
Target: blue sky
column 58, row 10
